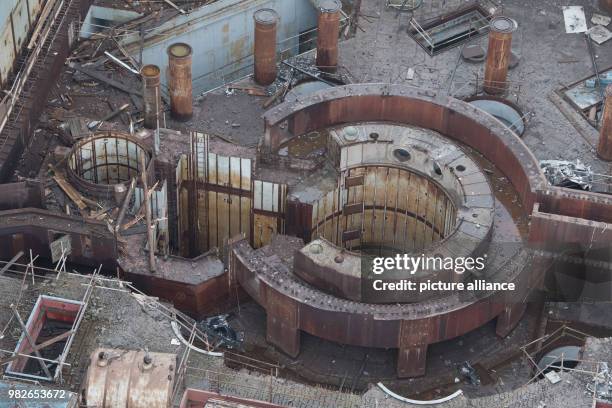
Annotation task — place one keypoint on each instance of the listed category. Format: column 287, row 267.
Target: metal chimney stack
column 179, row 81
column 151, row 95
column 327, row 40
column 604, row 148
column 498, row 54
column 266, row 21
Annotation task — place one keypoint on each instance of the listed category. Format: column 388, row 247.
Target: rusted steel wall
column 327, row 39
column 20, row 195
column 151, row 95
column 402, row 104
column 92, row 244
column 210, row 297
column 576, row 203
column 604, row 148
column 554, row 232
column 498, row 54
column 266, row 21
column 348, row 324
column 179, row 81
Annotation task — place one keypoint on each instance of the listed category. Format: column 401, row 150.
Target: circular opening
column 266, row 16
column 150, row 70
column 106, row 160
column 179, row 50
column 460, row 167
column 559, row 358
column 329, row 6
column 398, row 211
column 503, row 24
column 436, row 169
column 374, row 136
column 351, row 133
column 402, row 154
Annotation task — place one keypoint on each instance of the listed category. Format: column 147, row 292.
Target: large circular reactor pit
column 98, row 163
column 463, row 211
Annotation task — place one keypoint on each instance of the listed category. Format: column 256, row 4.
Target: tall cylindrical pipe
column 266, row 21
column 604, row 148
column 151, row 95
column 327, row 40
column 179, row 81
column 498, row 54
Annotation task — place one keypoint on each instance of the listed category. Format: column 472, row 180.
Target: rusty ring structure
column 79, row 164
column 558, row 216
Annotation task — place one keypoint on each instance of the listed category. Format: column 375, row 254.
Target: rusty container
column 604, row 148
column 266, row 21
column 179, row 81
column 129, row 378
column 605, row 5
column 151, row 94
column 327, row 40
column 498, row 54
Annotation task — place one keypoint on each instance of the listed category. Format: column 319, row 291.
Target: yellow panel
column 263, row 228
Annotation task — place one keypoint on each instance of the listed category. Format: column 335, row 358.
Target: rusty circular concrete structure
column 327, row 39
column 264, row 52
column 151, row 95
column 498, row 54
column 321, row 294
column 96, row 165
column 179, row 81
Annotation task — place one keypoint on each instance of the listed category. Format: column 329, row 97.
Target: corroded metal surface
column 498, row 54
column 327, row 40
column 604, row 148
column 266, row 21
column 98, row 163
column 179, row 81
column 151, row 95
column 129, row 379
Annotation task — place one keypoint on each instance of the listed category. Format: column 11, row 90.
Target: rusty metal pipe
column 604, row 148
column 327, row 39
column 151, row 95
column 179, row 81
column 266, row 21
column 498, row 54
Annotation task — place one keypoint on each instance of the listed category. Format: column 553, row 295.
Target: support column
column 498, row 54
column 604, row 148
column 282, row 323
column 266, row 21
column 509, row 318
column 179, row 81
column 151, row 95
column 328, row 31
column 412, row 353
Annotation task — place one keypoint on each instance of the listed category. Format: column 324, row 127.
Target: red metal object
column 151, row 95
column 199, row 399
column 179, row 81
column 266, row 21
column 604, row 148
column 498, row 54
column 327, row 40
column 410, row 327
